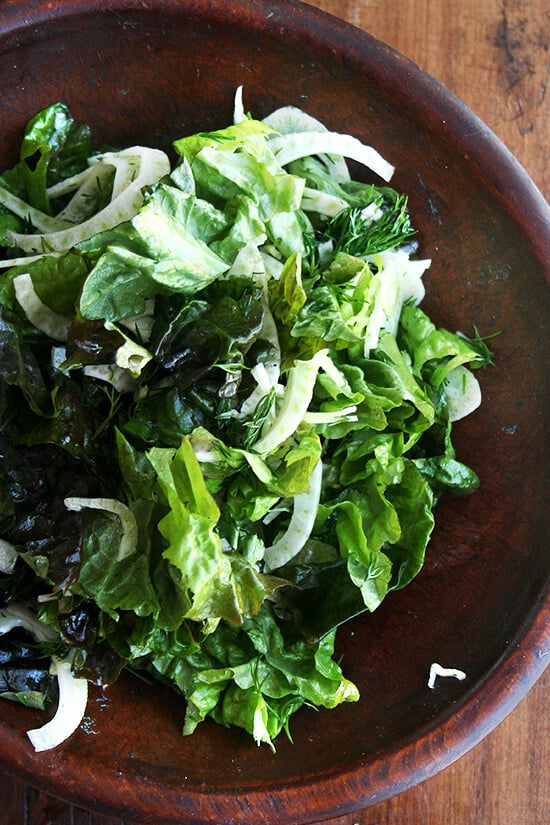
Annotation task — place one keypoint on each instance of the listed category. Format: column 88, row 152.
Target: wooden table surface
column 494, row 54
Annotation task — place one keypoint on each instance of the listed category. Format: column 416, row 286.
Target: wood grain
column 494, row 54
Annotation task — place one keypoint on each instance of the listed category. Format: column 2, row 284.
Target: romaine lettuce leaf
column 54, row 147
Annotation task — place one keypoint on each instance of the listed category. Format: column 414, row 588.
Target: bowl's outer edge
column 491, row 701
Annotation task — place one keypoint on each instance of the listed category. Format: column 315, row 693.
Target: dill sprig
column 356, row 231
column 477, row 343
column 254, row 426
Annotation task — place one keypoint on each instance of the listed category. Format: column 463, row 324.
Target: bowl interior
column 153, row 72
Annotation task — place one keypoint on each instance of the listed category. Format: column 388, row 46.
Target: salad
column 225, row 421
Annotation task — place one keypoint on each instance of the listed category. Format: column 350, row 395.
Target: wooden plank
column 494, row 55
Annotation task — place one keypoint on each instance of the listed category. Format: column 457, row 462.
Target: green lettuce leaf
column 54, row 147
column 222, row 584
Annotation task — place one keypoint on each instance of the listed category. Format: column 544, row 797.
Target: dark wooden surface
column 494, row 54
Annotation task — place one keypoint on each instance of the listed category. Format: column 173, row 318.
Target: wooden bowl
column 152, row 71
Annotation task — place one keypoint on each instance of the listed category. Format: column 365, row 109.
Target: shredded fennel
column 301, row 144
column 296, row 400
column 301, row 523
column 128, row 542
column 153, row 164
column 73, row 698
column 462, row 391
column 437, row 670
column 291, row 119
column 38, row 313
column 43, row 222
column 73, row 691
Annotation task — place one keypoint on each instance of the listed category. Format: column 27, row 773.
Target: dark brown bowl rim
column 464, row 725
